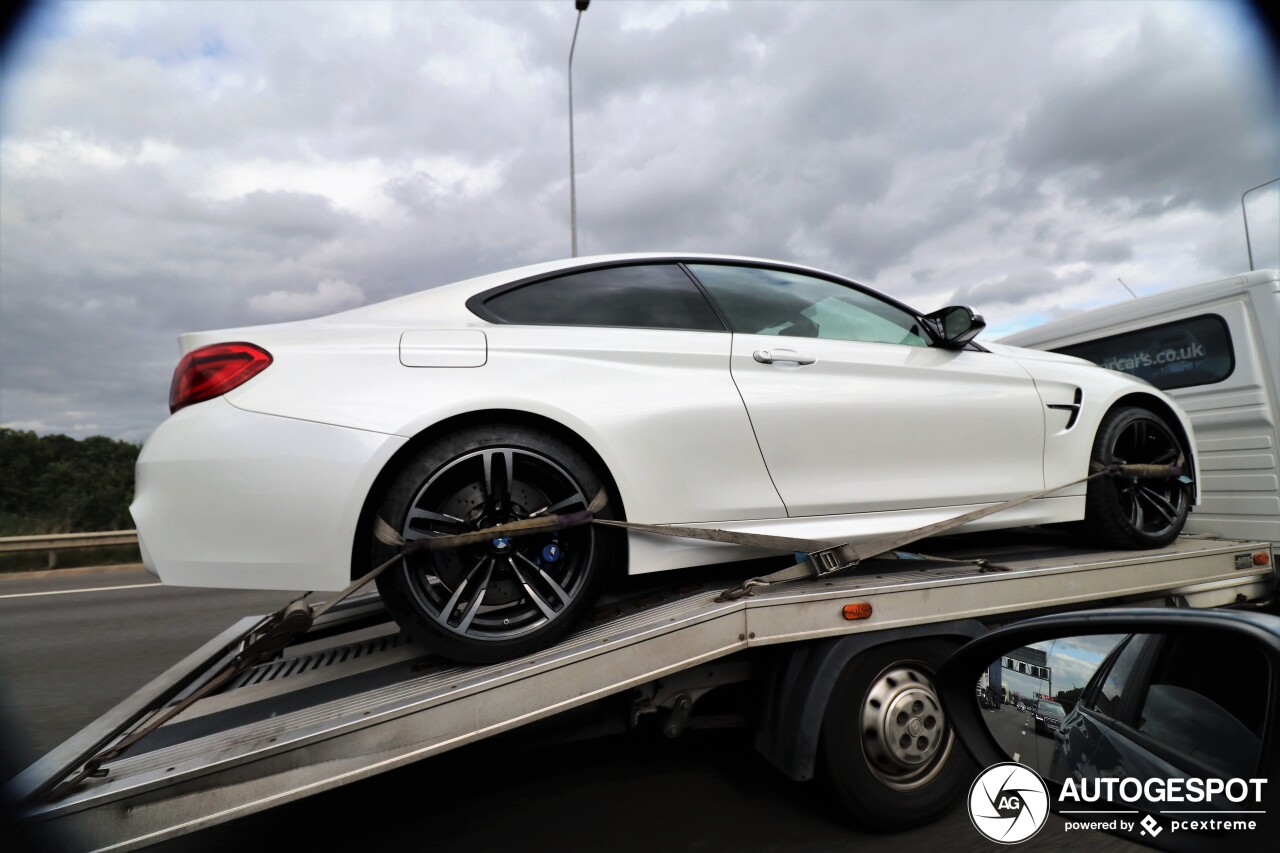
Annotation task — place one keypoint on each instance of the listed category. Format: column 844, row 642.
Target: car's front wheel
column 504, row 597
column 1136, row 512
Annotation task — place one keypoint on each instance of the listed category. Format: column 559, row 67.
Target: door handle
column 766, row 356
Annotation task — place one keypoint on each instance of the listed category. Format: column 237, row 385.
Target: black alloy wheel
column 1137, row 512
column 506, row 596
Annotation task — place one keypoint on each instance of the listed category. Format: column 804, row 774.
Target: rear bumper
column 229, row 498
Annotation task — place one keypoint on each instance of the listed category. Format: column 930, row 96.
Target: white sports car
column 738, row 393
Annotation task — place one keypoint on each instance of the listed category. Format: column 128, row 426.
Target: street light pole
column 581, row 6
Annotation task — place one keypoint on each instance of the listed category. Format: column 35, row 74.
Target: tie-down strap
column 816, row 557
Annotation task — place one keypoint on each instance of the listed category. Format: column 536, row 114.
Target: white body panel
column 264, row 487
column 637, row 396
column 1236, row 419
column 229, row 498
column 870, row 427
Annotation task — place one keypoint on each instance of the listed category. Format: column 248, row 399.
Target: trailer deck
column 353, row 697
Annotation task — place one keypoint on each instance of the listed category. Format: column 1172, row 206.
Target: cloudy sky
column 175, row 166
column 1073, row 661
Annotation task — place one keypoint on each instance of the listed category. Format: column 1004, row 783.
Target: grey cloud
column 327, row 297
column 285, row 215
column 1149, row 127
column 1075, row 246
column 709, row 46
column 104, row 270
column 1108, row 251
column 418, row 192
column 879, row 140
column 1016, row 288
column 349, row 91
column 1044, row 230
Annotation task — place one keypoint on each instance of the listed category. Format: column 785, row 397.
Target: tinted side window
column 1173, row 355
column 655, row 296
column 771, row 302
column 1208, row 699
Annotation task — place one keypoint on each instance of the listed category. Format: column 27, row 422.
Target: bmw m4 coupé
column 743, row 394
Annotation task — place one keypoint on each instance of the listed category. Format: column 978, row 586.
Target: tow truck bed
column 353, row 698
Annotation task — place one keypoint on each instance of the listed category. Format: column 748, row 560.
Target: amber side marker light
column 1262, row 558
column 861, row 610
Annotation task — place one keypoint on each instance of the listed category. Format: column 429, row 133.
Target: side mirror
column 955, row 326
column 1158, row 725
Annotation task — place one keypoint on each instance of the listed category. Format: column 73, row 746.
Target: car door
column 635, row 359
column 855, row 411
column 1169, row 706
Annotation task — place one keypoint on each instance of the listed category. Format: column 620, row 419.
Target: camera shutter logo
column 1008, row 803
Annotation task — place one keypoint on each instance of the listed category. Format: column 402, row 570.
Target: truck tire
column 889, row 756
column 1128, row 512
column 502, row 598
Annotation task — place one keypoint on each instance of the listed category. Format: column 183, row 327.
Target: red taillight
column 214, row 370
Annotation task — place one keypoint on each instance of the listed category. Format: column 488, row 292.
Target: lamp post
column 1247, row 245
column 581, row 6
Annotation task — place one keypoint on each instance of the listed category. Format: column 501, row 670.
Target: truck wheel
column 889, row 755
column 505, row 597
column 1130, row 512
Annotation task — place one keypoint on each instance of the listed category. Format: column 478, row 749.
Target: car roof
column 445, row 303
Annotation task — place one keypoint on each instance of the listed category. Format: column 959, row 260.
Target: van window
column 1189, row 352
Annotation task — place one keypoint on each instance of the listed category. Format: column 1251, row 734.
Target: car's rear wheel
column 1136, row 512
column 504, row 597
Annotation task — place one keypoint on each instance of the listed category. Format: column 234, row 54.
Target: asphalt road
column 72, row 645
column 1016, row 731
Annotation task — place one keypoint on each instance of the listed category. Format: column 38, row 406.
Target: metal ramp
column 352, row 698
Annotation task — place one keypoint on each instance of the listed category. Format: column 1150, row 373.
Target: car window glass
column 771, row 302
column 1107, row 699
column 1207, row 699
column 652, row 296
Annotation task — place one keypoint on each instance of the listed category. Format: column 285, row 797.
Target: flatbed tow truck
column 352, row 697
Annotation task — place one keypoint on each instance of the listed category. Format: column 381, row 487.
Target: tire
column 888, row 754
column 503, row 598
column 1129, row 512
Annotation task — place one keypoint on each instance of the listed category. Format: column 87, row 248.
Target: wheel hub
column 911, row 727
column 904, row 730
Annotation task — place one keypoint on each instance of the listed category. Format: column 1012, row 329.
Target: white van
column 1216, row 348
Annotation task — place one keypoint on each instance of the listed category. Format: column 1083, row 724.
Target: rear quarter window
column 1196, row 351
column 649, row 296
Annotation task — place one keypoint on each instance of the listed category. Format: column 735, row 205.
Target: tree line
column 59, row 484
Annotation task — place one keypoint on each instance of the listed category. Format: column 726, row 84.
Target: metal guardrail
column 53, row 543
